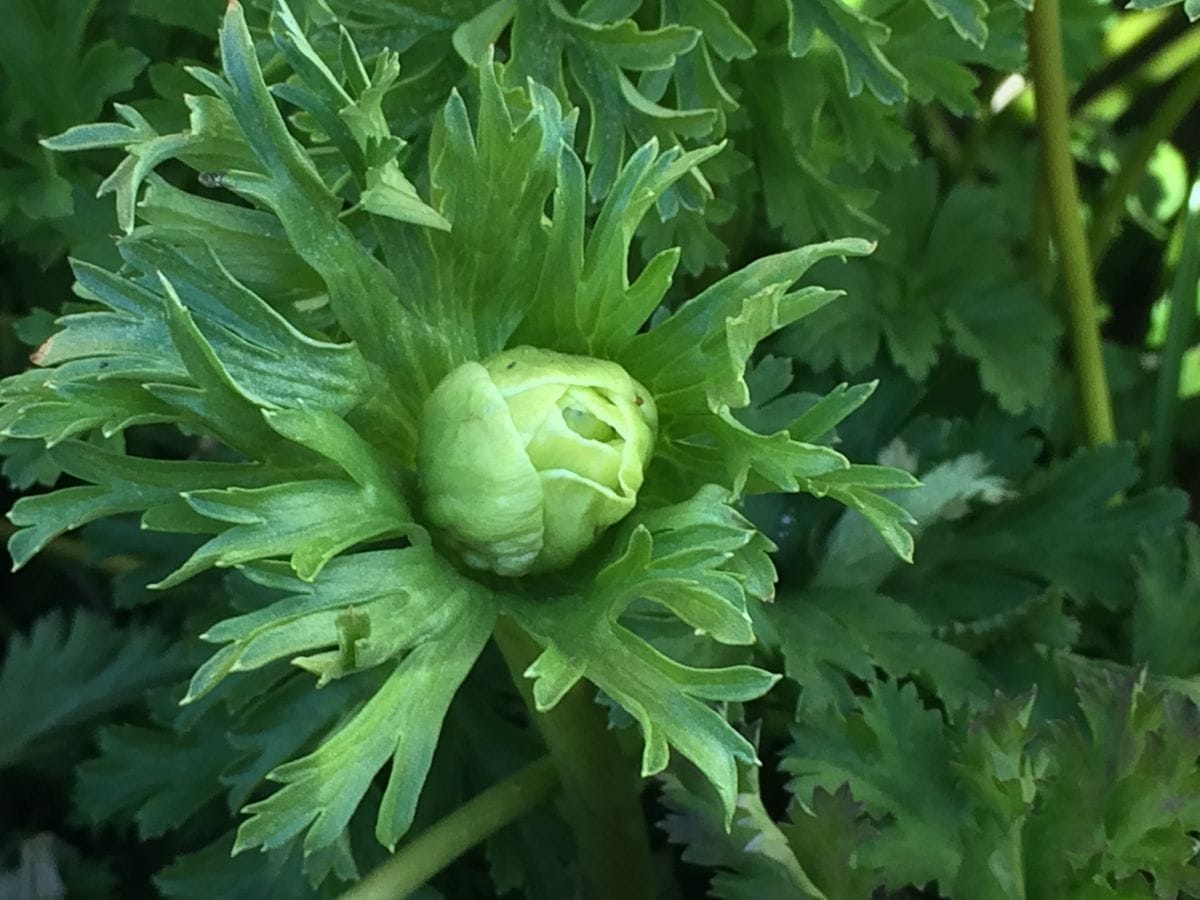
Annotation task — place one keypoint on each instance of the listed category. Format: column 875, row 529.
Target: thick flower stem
column 474, row 821
column 1050, row 89
column 600, row 790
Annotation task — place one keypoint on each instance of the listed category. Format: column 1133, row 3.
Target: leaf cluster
column 832, row 681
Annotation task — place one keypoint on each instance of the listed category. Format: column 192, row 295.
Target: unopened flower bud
column 526, row 458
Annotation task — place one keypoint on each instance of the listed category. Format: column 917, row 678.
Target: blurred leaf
column 1166, row 613
column 997, row 808
column 929, row 286
column 832, row 637
column 63, row 675
column 894, row 755
column 1121, row 796
column 1070, row 527
column 37, row 203
column 211, row 871
column 137, row 775
column 1162, row 191
column 752, row 858
column 826, row 837
column 1191, row 7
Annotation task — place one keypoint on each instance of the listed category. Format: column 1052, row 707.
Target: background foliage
column 1011, row 714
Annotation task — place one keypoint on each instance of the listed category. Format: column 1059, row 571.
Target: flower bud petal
column 527, row 458
column 479, row 483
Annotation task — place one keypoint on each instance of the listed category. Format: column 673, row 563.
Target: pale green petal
column 531, row 407
column 577, row 512
column 523, row 367
column 480, row 487
column 556, row 446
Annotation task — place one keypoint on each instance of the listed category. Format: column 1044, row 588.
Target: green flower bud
column 526, row 458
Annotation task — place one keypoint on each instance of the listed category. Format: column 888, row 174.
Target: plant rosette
column 382, row 471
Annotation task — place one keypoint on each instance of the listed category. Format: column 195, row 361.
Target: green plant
column 467, row 376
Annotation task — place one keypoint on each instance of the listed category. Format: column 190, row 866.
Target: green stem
column 1166, row 119
column 1113, row 101
column 1050, row 89
column 600, row 789
column 1180, row 327
column 1016, row 854
column 1136, row 36
column 1133, row 29
column 442, row 843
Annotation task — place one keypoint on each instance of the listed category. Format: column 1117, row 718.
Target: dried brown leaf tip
column 38, row 357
